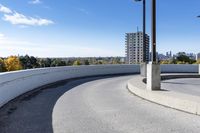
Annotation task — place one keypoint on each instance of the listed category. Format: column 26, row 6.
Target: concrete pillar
column 153, row 77
column 199, row 68
column 143, row 69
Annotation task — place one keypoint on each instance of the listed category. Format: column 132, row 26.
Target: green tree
column 184, row 59
column 2, row 65
column 173, row 61
column 48, row 62
column 44, row 62
column 33, row 62
column 69, row 63
column 58, row 62
column 116, row 60
column 28, row 62
column 86, row 62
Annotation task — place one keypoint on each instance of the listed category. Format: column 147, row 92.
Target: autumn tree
column 198, row 61
column 77, row 63
column 12, row 63
column 164, row 62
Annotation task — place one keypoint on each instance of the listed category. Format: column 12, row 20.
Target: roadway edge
column 171, row 99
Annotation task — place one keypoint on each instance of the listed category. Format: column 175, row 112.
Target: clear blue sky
column 66, row 28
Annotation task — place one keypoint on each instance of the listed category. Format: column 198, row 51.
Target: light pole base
column 143, row 69
column 153, row 77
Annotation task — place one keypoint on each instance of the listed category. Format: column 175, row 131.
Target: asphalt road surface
column 186, row 85
column 92, row 105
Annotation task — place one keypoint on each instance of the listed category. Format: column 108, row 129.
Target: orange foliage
column 12, row 63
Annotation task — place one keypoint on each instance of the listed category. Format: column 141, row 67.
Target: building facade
column 134, row 47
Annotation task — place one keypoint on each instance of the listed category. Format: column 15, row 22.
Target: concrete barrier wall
column 13, row 84
column 182, row 68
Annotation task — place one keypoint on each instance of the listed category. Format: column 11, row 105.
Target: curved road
column 92, row 106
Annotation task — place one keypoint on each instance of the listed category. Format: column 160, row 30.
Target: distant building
column 169, row 55
column 134, row 47
column 162, row 57
column 198, row 56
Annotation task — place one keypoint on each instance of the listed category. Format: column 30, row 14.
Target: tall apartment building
column 134, row 47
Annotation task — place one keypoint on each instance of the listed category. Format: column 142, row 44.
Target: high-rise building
column 134, row 47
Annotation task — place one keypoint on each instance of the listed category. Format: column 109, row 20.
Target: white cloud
column 5, row 9
column 35, row 2
column 20, row 19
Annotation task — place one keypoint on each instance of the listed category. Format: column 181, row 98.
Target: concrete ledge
column 179, row 68
column 14, row 84
column 175, row 76
column 179, row 101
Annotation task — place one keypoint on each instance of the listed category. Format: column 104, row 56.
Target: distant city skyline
column 93, row 28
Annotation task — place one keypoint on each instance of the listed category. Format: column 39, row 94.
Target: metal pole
column 154, row 32
column 144, row 32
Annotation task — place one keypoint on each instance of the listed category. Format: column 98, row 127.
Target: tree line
column 181, row 59
column 14, row 63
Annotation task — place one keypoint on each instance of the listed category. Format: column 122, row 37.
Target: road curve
column 106, row 106
column 92, row 105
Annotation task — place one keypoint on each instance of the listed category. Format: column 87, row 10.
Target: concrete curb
column 175, row 100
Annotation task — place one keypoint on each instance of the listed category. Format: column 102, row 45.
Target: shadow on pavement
column 32, row 112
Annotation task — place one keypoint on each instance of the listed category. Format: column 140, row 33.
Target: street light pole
column 154, row 32
column 144, row 31
column 199, row 65
column 143, row 65
column 153, row 69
